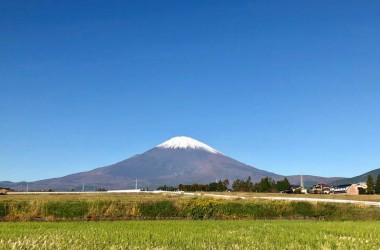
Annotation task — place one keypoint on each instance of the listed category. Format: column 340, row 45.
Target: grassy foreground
column 158, row 206
column 246, row 234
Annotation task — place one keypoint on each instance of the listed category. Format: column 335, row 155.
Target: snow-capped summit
column 183, row 142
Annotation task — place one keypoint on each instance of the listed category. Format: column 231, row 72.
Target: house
column 342, row 189
column 320, row 188
column 350, row 189
column 296, row 189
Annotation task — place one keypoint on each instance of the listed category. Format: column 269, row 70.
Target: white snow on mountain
column 184, row 142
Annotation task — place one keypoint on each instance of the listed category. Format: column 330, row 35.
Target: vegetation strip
column 359, row 202
column 166, row 206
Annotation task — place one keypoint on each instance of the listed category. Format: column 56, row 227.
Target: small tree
column 243, row 186
column 266, row 185
column 377, row 187
column 239, row 185
column 370, row 185
column 226, row 182
column 249, row 184
column 283, row 185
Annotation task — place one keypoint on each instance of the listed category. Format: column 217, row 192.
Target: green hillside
column 359, row 178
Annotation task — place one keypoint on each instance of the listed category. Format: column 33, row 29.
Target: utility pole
column 27, row 187
column 136, row 184
column 83, row 188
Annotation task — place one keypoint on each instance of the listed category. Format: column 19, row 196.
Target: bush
column 219, row 209
column 3, row 210
column 303, row 208
column 202, row 211
column 66, row 209
column 112, row 209
column 326, row 210
column 160, row 209
column 258, row 210
column 231, row 210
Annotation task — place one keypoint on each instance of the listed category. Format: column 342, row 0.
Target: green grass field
column 211, row 234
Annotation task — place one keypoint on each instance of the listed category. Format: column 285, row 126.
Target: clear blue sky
column 285, row 86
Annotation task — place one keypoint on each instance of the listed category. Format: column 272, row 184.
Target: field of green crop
column 211, row 234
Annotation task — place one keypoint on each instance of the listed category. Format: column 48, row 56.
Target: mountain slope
column 359, row 178
column 310, row 180
column 178, row 160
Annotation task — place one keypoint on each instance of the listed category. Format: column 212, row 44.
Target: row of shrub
column 193, row 208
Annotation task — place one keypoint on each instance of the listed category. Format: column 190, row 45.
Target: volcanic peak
column 183, row 142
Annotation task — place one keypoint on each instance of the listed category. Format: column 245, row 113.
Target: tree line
column 265, row 185
column 217, row 186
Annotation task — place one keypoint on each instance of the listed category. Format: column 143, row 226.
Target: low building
column 341, row 189
column 350, row 189
column 320, row 188
column 296, row 189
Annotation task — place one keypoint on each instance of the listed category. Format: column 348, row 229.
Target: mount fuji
column 178, row 160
